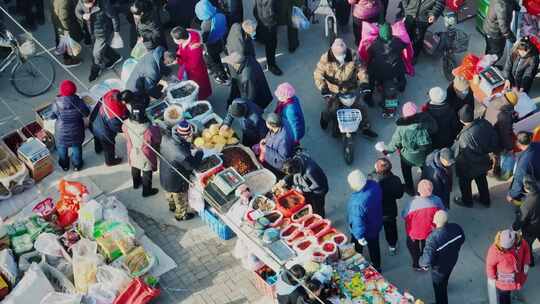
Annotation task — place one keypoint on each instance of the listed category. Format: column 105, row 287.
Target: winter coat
column 104, row 20
column 252, row 125
column 312, row 178
column 181, row 12
column 528, row 216
column 453, row 99
column 339, row 78
column 69, row 112
column 178, row 155
column 364, row 211
column 527, row 163
column 239, row 42
column 448, row 125
column 472, row 148
column 278, row 148
column 249, row 82
column 412, row 138
column 422, row 9
column 150, row 68
column 498, row 19
column 440, row 177
column 522, row 71
column 501, row 116
column 191, row 62
column 442, row 248
column 392, row 189
column 266, row 12
column 288, row 292
column 63, row 19
column 366, row 9
column 106, row 125
column 292, row 115
column 214, row 24
column 139, row 154
column 506, row 267
column 150, row 29
column 385, row 59
column 418, row 215
column 234, row 10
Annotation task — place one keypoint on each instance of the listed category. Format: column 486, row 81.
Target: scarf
column 282, row 104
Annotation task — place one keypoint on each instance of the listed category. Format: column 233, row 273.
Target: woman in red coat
column 191, row 63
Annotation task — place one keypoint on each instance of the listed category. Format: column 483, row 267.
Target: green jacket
column 64, row 19
column 412, row 138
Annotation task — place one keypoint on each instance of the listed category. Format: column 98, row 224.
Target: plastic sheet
column 61, row 298
column 8, row 267
column 34, row 280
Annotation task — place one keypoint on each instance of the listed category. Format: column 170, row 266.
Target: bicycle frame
column 8, row 61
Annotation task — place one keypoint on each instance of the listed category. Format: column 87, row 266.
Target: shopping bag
column 73, row 48
column 62, row 46
column 299, row 20
column 137, row 292
column 116, row 41
column 507, row 165
column 139, row 50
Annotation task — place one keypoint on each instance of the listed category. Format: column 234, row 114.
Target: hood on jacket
column 497, row 242
column 136, row 132
column 204, row 10
column 113, row 107
column 332, row 58
column 410, row 120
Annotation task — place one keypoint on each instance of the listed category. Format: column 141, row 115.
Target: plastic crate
column 269, row 290
column 217, row 225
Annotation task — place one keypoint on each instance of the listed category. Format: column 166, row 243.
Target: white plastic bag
column 114, row 210
column 115, row 279
column 8, row 267
column 101, row 294
column 89, row 214
column 85, row 261
column 299, row 20
column 48, row 244
column 61, row 298
column 25, row 260
column 33, row 287
column 72, row 47
column 116, row 41
column 139, row 50
column 127, row 67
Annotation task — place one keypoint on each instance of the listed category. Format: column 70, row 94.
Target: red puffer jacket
column 507, row 266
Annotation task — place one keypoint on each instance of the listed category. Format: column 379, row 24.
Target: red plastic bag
column 532, row 6
column 71, row 194
column 467, row 69
column 137, row 292
column 454, row 5
column 536, row 42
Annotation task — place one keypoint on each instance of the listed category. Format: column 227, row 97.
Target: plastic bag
column 137, row 293
column 467, row 69
column 33, row 287
column 8, row 267
column 85, row 260
column 57, row 279
column 127, row 67
column 72, row 47
column 114, row 278
column 28, row 258
column 89, row 214
column 139, row 50
column 47, row 243
column 454, row 5
column 114, row 210
column 532, row 6
column 299, row 20
column 507, row 165
column 61, row 298
column 101, row 294
column 116, row 41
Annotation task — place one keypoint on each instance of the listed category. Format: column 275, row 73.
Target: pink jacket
column 507, row 267
column 365, row 9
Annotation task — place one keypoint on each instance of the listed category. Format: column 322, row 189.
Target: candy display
column 238, row 159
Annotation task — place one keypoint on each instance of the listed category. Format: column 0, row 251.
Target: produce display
column 137, row 260
column 10, row 167
column 213, row 137
column 263, row 204
column 183, row 91
column 196, row 110
column 238, row 159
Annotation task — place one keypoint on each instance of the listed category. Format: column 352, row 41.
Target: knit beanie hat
column 67, row 88
column 437, row 96
column 511, row 97
column 184, row 129
column 409, row 109
column 339, row 47
column 466, row 114
column 385, row 32
column 507, row 238
column 284, row 91
column 425, row 188
column 440, row 218
column 357, row 180
column 274, row 119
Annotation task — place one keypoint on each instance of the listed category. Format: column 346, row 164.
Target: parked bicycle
column 31, row 75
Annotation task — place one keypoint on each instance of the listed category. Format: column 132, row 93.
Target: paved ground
column 207, row 272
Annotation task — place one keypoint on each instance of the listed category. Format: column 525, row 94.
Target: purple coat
column 279, row 148
column 365, row 9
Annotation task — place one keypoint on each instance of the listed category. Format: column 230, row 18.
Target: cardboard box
column 37, row 158
column 14, row 140
column 40, row 169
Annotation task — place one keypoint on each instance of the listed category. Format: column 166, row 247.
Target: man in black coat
column 497, row 26
column 266, row 13
column 446, row 117
column 441, row 253
column 304, row 174
column 459, row 94
column 248, row 80
column 522, row 66
column 471, row 149
column 178, row 156
column 249, row 116
column 437, row 169
column 392, row 190
column 102, row 22
column 528, row 215
column 419, row 15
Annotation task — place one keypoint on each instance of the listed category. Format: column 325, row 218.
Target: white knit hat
column 357, row 180
column 437, row 96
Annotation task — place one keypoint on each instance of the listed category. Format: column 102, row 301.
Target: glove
column 362, row 242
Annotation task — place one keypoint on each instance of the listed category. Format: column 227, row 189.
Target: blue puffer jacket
column 149, row 68
column 214, row 26
column 294, row 117
column 69, row 112
column 364, row 211
column 527, row 163
column 279, row 148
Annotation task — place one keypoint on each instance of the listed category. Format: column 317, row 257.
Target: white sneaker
column 392, row 250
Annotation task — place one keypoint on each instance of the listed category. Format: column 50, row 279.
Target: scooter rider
column 340, row 72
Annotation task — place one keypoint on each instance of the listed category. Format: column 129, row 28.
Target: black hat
column 466, row 114
column 238, row 108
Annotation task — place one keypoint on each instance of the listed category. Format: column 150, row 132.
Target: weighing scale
column 221, row 189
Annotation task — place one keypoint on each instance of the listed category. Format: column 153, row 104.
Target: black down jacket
column 498, row 19
column 266, row 12
column 472, row 148
column 422, row 9
column 522, row 71
column 178, row 154
column 392, row 190
column 103, row 18
column 448, row 122
column 249, row 82
column 385, row 62
column 528, row 216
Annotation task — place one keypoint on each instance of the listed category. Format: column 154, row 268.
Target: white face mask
column 88, row 5
column 341, row 58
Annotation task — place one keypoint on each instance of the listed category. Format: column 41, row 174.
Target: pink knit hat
column 284, row 91
column 425, row 188
column 409, row 109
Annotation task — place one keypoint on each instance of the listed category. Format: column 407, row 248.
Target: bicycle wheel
column 33, row 76
column 449, row 64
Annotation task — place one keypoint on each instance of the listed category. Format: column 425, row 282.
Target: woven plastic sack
column 139, row 50
column 61, row 298
column 137, row 293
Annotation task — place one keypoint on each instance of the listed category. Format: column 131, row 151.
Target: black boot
column 94, row 72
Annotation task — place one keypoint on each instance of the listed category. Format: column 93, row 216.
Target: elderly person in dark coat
column 277, row 146
column 304, row 174
column 240, row 38
column 147, row 25
column 527, row 163
column 471, row 149
column 522, row 66
column 459, row 94
column 446, row 117
column 65, row 22
column 438, row 171
column 249, row 115
column 69, row 110
column 497, row 26
column 178, row 157
column 419, row 15
column 248, row 80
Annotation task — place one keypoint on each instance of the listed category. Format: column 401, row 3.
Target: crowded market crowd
column 450, row 139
